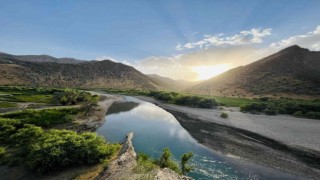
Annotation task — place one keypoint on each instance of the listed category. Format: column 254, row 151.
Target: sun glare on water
column 206, row 72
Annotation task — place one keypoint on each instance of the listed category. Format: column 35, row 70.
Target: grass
column 45, row 117
column 4, row 104
column 34, row 98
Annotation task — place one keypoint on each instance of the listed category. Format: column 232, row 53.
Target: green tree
column 185, row 158
column 167, row 162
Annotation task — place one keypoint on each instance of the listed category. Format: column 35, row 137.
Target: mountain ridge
column 293, row 70
column 87, row 74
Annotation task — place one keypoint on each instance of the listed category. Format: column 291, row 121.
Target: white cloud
column 310, row 40
column 253, row 36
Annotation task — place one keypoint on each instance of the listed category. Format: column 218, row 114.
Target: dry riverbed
column 281, row 142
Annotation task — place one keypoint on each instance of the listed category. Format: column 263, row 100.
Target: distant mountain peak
column 294, row 48
column 293, row 70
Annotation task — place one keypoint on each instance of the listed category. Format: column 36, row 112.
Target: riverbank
column 97, row 117
column 274, row 143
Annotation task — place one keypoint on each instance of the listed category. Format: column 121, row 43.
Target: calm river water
column 155, row 129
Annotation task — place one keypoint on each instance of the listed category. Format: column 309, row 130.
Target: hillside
column 293, row 71
column 85, row 74
column 165, row 83
column 41, row 58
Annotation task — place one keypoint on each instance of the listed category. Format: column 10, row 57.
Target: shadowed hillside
column 87, row 74
column 165, row 83
column 292, row 71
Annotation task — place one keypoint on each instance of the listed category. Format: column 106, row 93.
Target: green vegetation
column 183, row 99
column 170, row 97
column 73, row 97
column 233, row 102
column 53, row 149
column 201, row 101
column 8, row 105
column 298, row 108
column 25, row 94
column 147, row 164
column 185, row 158
column 224, row 115
column 26, row 141
column 2, row 151
column 166, row 161
column 44, row 117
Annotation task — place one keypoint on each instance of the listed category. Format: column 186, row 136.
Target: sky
column 180, row 39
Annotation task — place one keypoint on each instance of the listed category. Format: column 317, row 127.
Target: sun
column 206, row 72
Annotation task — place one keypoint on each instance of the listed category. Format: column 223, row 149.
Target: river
column 155, row 129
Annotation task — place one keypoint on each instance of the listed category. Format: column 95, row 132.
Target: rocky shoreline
column 123, row 166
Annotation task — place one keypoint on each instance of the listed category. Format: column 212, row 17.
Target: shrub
column 2, row 151
column 145, row 164
column 57, row 149
column 185, row 158
column 313, row 115
column 166, row 161
column 298, row 114
column 224, row 115
column 45, row 118
column 271, row 112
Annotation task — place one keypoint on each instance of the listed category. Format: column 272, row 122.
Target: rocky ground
column 123, row 167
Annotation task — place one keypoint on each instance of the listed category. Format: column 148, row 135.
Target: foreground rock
column 123, row 166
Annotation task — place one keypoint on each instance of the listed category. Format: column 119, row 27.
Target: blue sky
column 134, row 31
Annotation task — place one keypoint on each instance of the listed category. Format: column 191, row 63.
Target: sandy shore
column 282, row 142
column 97, row 117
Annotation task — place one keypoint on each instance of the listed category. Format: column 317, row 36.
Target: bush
column 2, row 151
column 166, row 161
column 313, row 115
column 145, row 164
column 44, row 118
column 185, row 158
column 271, row 112
column 224, row 115
column 57, row 149
column 298, row 114
column 54, row 149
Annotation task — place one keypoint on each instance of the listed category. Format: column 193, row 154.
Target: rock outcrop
column 122, row 167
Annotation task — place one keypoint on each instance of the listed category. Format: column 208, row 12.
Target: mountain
column 293, row 71
column 165, row 83
column 41, row 58
column 84, row 74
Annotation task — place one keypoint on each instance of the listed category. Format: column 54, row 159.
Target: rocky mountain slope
column 293, row 71
column 84, row 74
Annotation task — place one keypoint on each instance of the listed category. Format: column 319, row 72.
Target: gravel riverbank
column 281, row 142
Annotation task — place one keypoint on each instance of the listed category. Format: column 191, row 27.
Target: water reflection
column 155, row 129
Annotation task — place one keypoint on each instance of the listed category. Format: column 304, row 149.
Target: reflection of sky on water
column 155, row 129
